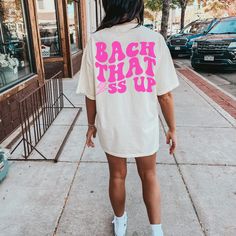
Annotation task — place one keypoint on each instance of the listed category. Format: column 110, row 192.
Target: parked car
column 218, row 47
column 182, row 42
column 149, row 26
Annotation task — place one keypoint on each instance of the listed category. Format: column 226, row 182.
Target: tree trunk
column 156, row 15
column 165, row 17
column 183, row 9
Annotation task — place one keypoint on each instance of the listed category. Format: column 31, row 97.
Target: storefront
column 61, row 35
column 16, row 55
column 38, row 38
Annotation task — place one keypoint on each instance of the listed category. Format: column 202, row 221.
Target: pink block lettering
column 130, row 51
column 147, row 49
column 122, row 86
column 102, row 69
column 116, row 50
column 134, row 64
column 101, row 52
column 139, row 86
column 151, row 82
column 116, row 72
column 112, row 88
column 150, row 63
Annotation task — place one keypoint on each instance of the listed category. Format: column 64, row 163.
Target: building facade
column 38, row 39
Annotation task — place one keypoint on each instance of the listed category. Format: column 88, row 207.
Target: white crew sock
column 120, row 217
column 157, row 230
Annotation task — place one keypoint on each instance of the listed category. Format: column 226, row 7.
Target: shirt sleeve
column 86, row 83
column 167, row 78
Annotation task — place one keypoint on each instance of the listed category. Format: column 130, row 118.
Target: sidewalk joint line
column 204, row 127
column 207, row 164
column 70, row 162
column 166, row 163
column 186, row 187
column 68, row 193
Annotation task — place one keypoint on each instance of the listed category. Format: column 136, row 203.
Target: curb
column 212, row 103
column 224, row 100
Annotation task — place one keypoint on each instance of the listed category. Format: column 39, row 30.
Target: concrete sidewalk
column 71, row 198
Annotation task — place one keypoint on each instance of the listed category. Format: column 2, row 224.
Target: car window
column 196, row 28
column 224, row 27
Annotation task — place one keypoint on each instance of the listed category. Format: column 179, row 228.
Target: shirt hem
column 164, row 91
column 87, row 95
column 127, row 156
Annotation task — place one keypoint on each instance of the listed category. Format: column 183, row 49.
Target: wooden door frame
column 61, row 8
column 34, row 31
column 64, row 35
column 83, row 18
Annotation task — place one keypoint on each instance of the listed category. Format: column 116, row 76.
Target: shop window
column 74, row 26
column 15, row 62
column 48, row 28
column 41, row 4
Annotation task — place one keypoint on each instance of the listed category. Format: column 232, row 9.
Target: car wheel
column 195, row 67
column 175, row 55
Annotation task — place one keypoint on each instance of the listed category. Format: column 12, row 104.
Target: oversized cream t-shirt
column 124, row 68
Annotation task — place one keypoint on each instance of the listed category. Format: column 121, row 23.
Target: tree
column 203, row 2
column 149, row 15
column 165, row 17
column 153, row 6
column 183, row 5
column 156, row 6
column 219, row 7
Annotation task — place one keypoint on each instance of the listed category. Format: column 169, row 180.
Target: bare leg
column 118, row 171
column 151, row 190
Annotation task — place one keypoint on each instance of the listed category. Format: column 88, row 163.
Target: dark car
column 149, row 26
column 217, row 48
column 182, row 42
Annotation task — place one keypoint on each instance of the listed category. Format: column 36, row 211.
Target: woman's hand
column 172, row 141
column 166, row 102
column 91, row 132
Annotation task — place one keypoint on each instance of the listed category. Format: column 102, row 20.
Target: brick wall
column 9, row 113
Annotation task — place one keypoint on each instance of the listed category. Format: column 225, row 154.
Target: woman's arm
column 91, row 110
column 91, row 115
column 166, row 102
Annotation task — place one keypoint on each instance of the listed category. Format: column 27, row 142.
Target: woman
column 126, row 69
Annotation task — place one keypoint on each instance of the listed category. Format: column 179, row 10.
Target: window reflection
column 48, row 28
column 14, row 48
column 74, row 26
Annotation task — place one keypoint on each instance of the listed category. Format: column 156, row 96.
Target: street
column 226, row 80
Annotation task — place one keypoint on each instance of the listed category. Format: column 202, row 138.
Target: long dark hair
column 121, row 11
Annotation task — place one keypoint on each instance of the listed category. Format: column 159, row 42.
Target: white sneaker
column 157, row 230
column 120, row 225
